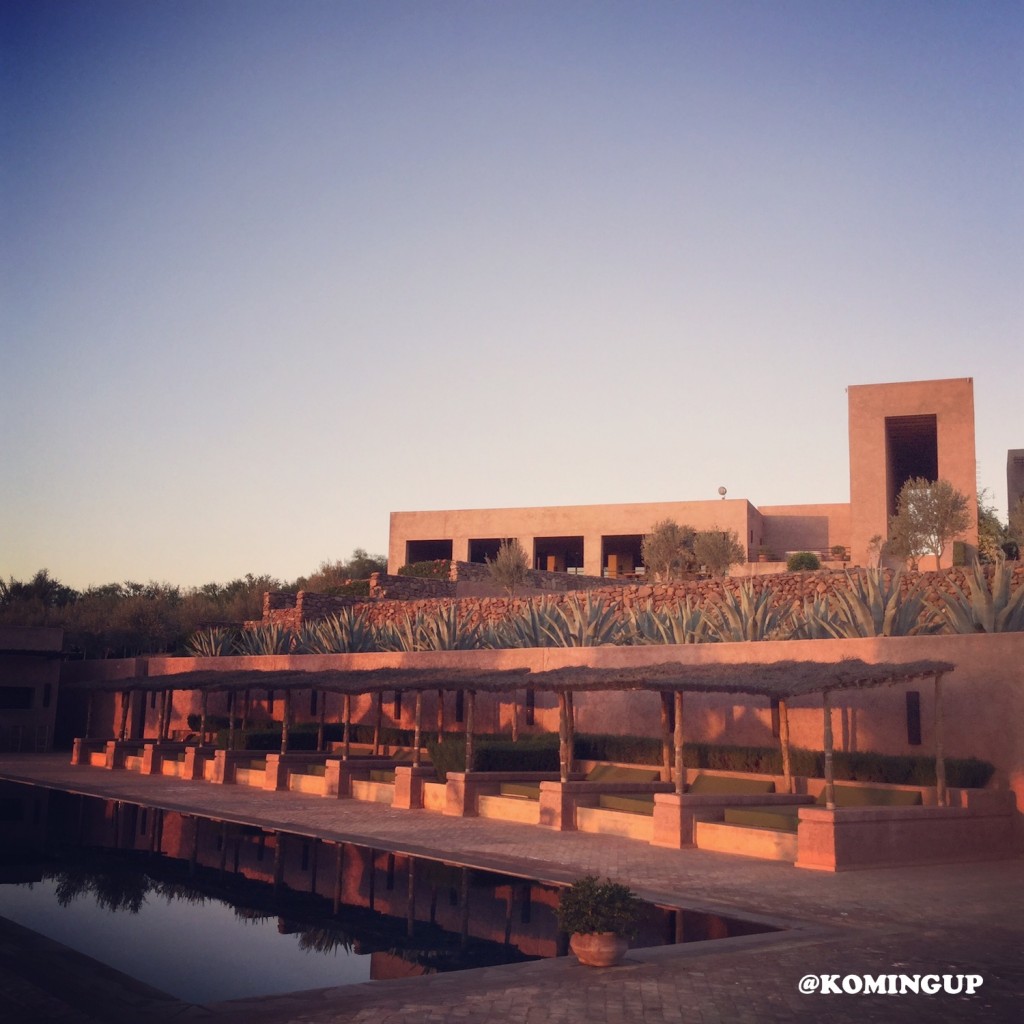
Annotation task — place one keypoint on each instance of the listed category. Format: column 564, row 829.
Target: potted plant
column 839, row 552
column 600, row 917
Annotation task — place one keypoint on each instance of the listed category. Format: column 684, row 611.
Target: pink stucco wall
column 983, row 698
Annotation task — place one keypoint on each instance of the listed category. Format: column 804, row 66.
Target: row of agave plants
column 869, row 606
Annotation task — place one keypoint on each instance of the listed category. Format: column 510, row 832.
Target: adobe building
column 29, row 675
column 896, row 431
column 1014, row 478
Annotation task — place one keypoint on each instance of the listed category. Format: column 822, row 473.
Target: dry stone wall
column 786, row 589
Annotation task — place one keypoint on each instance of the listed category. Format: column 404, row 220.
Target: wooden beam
column 563, row 736
column 666, row 735
column 204, row 701
column 787, row 761
column 941, row 795
column 346, row 736
column 680, row 767
column 470, row 725
column 830, row 787
column 417, row 739
column 286, row 714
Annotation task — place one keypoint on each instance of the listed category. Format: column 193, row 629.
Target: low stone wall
column 394, row 597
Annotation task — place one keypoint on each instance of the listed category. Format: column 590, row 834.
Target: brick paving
column 954, row 919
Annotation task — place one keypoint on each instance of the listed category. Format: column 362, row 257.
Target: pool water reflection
column 207, row 910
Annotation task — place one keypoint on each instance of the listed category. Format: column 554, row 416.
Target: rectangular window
column 15, row 698
column 914, row 718
column 775, row 717
column 312, row 702
column 396, row 710
column 460, row 706
column 531, row 705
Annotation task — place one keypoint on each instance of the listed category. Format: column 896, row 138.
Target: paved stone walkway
column 955, row 919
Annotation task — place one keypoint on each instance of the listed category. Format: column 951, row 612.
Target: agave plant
column 446, row 630
column 272, row 639
column 816, row 620
column 683, row 623
column 869, row 606
column 215, row 642
column 991, row 608
column 523, row 628
column 348, row 631
column 748, row 616
column 576, row 623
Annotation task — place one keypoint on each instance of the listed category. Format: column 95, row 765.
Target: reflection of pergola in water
column 779, row 682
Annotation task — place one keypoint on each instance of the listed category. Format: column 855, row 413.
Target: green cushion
column 782, row 818
column 524, row 790
column 381, row 775
column 622, row 802
column 724, row 785
column 612, row 773
column 870, row 796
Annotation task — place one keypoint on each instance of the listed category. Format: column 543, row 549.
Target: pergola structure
column 780, row 681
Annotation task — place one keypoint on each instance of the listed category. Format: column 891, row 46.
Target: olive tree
column 929, row 514
column 717, row 549
column 667, row 551
column 509, row 566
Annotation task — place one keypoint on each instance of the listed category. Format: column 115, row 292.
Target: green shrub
column 438, row 569
column 803, row 561
column 623, row 749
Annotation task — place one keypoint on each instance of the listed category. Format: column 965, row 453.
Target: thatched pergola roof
column 783, row 679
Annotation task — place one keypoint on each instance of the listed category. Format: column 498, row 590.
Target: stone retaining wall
column 427, row 595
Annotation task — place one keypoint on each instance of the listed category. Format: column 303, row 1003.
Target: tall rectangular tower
column 898, row 431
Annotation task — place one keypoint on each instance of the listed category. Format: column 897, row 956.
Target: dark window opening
column 390, row 883
column 911, row 450
column 460, row 706
column 427, row 550
column 15, row 698
column 775, row 717
column 531, row 705
column 152, row 699
column 526, row 905
column 913, row 718
column 312, row 702
column 396, row 709
column 621, row 555
column 558, row 554
column 482, row 550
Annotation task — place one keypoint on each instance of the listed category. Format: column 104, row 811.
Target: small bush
column 438, row 569
column 803, row 561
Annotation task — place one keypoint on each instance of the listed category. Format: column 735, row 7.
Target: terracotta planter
column 598, row 949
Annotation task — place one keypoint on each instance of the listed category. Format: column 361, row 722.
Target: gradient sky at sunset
column 272, row 270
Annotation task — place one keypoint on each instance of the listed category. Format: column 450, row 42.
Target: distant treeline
column 123, row 620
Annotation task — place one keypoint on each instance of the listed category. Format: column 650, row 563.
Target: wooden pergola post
column 571, row 722
column 246, row 705
column 680, row 767
column 322, row 708
column 346, row 735
column 126, row 699
column 377, row 713
column 231, row 720
column 440, row 716
column 515, row 717
column 666, row 735
column 830, row 787
column 563, row 736
column 161, row 721
column 204, row 700
column 787, row 761
column 88, row 714
column 940, row 755
column 286, row 714
column 417, row 729
column 470, row 725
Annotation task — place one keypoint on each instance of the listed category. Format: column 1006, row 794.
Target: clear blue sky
column 272, row 270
